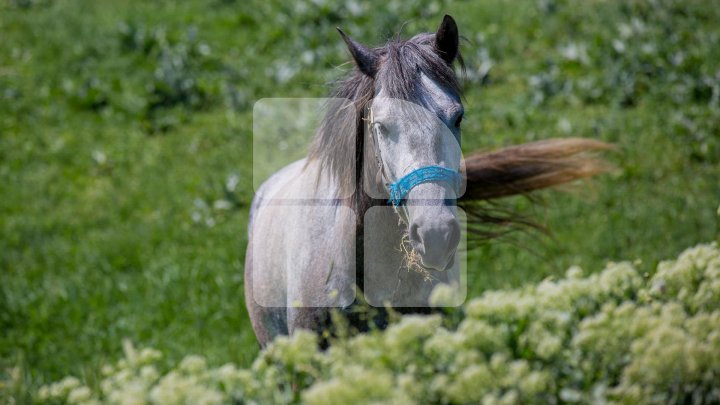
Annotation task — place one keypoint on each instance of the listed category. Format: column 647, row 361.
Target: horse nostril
column 416, row 239
column 415, row 234
column 454, row 235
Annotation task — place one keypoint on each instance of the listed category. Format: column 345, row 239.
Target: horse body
column 298, row 254
column 323, row 235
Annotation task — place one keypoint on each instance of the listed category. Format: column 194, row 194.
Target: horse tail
column 519, row 170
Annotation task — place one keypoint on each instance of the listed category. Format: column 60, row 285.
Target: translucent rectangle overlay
column 401, row 137
column 394, row 274
column 283, row 131
column 303, row 255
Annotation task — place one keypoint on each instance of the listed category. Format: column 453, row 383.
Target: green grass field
column 126, row 165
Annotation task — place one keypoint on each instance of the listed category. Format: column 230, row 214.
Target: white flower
column 79, row 395
column 99, row 157
column 445, row 295
column 193, row 364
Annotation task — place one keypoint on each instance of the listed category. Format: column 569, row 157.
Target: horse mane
column 516, row 170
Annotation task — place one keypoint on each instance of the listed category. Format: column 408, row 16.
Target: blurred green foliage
column 125, row 150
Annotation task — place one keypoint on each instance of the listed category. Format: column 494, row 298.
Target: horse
column 375, row 212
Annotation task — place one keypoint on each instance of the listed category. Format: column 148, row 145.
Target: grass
column 123, row 124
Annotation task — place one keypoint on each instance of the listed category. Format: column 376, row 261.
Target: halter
column 401, row 188
column 426, row 174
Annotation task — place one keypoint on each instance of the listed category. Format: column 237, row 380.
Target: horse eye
column 379, row 128
column 458, row 121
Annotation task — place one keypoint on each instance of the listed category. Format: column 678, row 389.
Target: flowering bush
column 613, row 336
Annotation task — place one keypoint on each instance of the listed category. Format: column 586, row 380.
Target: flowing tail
column 519, row 170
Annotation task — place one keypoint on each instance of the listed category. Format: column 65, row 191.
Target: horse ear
column 366, row 59
column 447, row 40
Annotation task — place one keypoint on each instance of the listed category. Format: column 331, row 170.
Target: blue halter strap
column 400, row 189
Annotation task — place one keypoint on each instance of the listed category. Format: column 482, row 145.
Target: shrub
column 610, row 336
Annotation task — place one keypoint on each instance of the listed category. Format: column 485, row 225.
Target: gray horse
column 372, row 215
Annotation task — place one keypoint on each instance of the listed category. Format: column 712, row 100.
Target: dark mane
column 403, row 61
